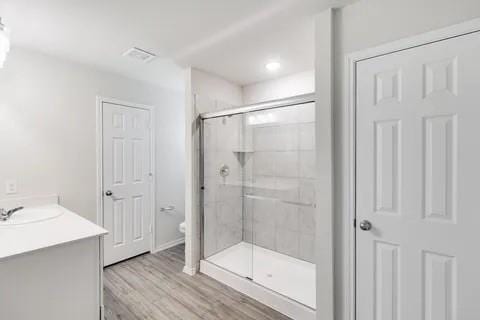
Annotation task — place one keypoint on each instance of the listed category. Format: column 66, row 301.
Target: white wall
column 364, row 24
column 48, row 128
column 170, row 160
column 284, row 87
column 210, row 86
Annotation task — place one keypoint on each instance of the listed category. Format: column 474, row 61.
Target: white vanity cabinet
column 51, row 269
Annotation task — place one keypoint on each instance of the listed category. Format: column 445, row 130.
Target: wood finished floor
column 153, row 286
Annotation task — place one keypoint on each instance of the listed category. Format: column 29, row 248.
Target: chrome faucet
column 6, row 214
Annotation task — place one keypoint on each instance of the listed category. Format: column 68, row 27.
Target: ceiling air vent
column 139, row 54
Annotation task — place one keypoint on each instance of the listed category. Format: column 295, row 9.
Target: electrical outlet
column 11, row 186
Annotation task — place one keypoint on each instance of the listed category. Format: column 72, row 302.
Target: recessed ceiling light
column 273, row 66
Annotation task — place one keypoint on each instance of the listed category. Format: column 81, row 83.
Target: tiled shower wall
column 223, row 195
column 279, row 176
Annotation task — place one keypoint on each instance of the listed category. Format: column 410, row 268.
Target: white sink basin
column 31, row 215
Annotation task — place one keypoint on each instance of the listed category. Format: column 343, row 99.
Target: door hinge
column 355, row 223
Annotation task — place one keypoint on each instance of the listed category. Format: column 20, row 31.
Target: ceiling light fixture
column 273, row 66
column 4, row 43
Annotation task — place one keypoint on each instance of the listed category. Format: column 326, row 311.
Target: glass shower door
column 225, row 228
column 281, row 175
column 259, row 197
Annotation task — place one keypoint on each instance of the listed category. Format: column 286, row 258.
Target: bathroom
column 237, row 159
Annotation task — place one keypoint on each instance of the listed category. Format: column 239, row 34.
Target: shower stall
column 257, row 166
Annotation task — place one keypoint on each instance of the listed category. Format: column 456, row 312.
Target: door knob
column 365, row 225
column 108, row 193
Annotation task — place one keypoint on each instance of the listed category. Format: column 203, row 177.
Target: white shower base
column 278, row 272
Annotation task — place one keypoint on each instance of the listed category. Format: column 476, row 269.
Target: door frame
column 99, row 143
column 349, row 142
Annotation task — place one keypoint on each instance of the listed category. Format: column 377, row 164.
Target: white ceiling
column 231, row 38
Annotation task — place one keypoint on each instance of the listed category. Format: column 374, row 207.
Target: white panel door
column 127, row 181
column 418, row 171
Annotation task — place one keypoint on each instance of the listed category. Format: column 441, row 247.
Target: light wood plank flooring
column 153, row 286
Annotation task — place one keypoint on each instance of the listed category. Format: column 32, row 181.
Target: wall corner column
column 324, row 164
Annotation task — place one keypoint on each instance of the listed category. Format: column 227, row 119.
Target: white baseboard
column 266, row 296
column 190, row 271
column 168, row 245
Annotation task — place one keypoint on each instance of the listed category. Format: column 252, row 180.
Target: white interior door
column 127, row 181
column 417, row 164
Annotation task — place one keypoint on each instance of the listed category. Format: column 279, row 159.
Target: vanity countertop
column 68, row 227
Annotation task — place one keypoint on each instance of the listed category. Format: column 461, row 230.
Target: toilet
column 181, row 227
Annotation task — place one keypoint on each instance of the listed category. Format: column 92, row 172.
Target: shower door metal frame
column 268, row 105
column 272, row 104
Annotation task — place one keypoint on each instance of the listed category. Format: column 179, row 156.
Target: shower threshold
column 289, row 277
